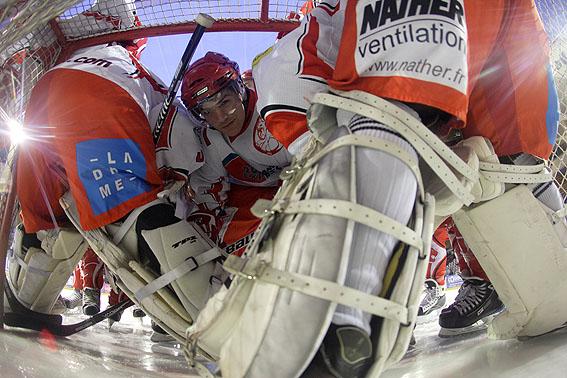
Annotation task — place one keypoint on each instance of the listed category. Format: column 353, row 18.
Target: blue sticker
column 112, row 171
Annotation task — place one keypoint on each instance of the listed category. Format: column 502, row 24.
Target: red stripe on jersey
column 286, row 126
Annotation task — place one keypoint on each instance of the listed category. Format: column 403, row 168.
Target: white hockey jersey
column 299, row 65
column 178, row 151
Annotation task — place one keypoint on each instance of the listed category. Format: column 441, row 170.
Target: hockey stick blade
column 203, row 21
column 27, row 320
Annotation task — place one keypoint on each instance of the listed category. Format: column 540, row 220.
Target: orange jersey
column 513, row 101
column 411, row 51
column 485, row 63
column 89, row 133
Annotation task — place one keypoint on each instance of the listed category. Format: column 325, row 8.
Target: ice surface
column 477, row 356
column 126, row 351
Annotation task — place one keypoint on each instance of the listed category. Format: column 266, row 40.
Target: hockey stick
column 203, row 21
column 28, row 320
column 23, row 317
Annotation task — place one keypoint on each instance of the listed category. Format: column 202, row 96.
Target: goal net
column 36, row 34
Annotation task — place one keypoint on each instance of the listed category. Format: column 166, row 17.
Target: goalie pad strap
column 516, row 178
column 430, row 149
column 25, row 266
column 318, row 288
column 189, row 265
column 560, row 214
column 528, row 169
column 355, row 140
column 348, row 210
column 375, row 106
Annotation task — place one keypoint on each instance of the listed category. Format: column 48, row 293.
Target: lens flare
column 16, row 131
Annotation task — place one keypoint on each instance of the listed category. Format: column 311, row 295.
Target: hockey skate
column 432, row 302
column 137, row 312
column 91, row 301
column 475, row 306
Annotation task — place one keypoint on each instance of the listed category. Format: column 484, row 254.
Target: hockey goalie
column 338, row 263
column 88, row 177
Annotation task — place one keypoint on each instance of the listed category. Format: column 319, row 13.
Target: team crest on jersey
column 264, row 142
column 112, row 172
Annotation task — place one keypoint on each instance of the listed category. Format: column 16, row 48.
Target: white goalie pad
column 187, row 264
column 522, row 246
column 189, row 274
column 285, row 291
column 38, row 269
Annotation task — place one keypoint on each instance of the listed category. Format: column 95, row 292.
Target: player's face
column 225, row 112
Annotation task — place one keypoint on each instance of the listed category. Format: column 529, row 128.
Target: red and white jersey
column 291, row 72
column 88, row 118
column 178, row 151
column 252, row 158
column 486, row 65
column 114, row 63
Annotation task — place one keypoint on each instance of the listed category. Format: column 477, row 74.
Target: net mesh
column 35, row 33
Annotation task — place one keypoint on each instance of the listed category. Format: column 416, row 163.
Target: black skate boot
column 347, row 351
column 91, row 301
column 475, row 306
column 434, row 298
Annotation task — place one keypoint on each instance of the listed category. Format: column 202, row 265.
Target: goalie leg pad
column 521, row 245
column 179, row 248
column 189, row 259
column 37, row 274
column 286, row 292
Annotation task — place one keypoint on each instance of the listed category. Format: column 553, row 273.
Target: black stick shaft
column 178, row 77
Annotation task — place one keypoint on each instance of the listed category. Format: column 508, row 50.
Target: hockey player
column 396, row 64
column 434, row 298
column 242, row 159
column 87, row 119
column 92, row 271
column 477, row 301
column 512, row 103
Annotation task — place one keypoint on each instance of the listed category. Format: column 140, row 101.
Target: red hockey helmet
column 207, row 76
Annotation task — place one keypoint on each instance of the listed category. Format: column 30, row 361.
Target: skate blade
column 480, row 326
